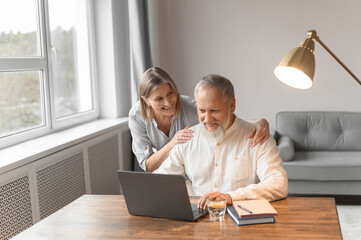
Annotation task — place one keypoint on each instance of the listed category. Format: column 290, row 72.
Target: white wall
column 245, row 39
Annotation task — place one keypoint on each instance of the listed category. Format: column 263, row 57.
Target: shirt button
column 146, row 148
column 216, row 164
column 215, row 185
column 218, row 144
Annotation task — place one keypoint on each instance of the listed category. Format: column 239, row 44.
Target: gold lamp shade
column 297, row 68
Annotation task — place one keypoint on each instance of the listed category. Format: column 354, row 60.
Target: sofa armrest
column 286, row 146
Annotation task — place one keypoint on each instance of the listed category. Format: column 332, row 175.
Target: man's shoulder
column 196, row 128
column 243, row 125
column 192, row 143
column 248, row 127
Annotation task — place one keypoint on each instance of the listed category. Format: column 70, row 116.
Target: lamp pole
column 313, row 34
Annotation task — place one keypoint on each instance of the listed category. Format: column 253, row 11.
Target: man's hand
column 260, row 132
column 202, row 202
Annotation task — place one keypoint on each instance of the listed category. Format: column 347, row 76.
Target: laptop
column 158, row 195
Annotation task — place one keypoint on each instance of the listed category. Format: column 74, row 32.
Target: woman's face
column 163, row 101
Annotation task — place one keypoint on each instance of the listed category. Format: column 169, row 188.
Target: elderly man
column 219, row 160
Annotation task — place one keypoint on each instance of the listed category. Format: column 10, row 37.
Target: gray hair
column 217, row 81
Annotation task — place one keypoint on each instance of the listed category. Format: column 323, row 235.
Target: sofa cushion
column 321, row 131
column 324, row 166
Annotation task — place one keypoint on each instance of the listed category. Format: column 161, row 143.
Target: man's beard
column 216, row 134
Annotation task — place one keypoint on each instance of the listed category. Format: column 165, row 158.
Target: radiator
column 103, row 178
column 15, row 207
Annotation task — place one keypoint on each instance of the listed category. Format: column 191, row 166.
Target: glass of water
column 217, row 208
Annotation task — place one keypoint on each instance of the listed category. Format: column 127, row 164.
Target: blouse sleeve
column 141, row 144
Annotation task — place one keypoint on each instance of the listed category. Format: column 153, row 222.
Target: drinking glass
column 217, row 208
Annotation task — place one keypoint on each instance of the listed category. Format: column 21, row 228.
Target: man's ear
column 233, row 105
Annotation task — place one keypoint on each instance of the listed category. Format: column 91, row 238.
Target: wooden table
column 106, row 217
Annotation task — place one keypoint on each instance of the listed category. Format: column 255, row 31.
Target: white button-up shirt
column 230, row 165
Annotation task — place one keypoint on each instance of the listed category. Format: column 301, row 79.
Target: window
column 46, row 62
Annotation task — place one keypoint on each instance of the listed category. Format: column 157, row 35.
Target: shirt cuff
column 235, row 196
column 146, row 154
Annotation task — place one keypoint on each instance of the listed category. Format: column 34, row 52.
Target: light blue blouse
column 147, row 138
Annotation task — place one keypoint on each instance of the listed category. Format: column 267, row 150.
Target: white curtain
column 140, row 55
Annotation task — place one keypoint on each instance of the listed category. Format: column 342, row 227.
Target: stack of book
column 252, row 212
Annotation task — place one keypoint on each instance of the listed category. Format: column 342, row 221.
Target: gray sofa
column 321, row 151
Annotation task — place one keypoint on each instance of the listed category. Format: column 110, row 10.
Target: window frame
column 44, row 63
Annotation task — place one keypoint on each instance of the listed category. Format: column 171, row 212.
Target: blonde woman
column 162, row 117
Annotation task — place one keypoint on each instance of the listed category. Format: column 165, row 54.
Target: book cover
column 248, row 220
column 253, row 208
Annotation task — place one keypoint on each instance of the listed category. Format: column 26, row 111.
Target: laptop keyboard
column 196, row 211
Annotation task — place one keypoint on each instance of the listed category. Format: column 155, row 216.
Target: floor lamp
column 296, row 69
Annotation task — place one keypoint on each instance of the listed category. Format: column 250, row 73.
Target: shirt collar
column 233, row 126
